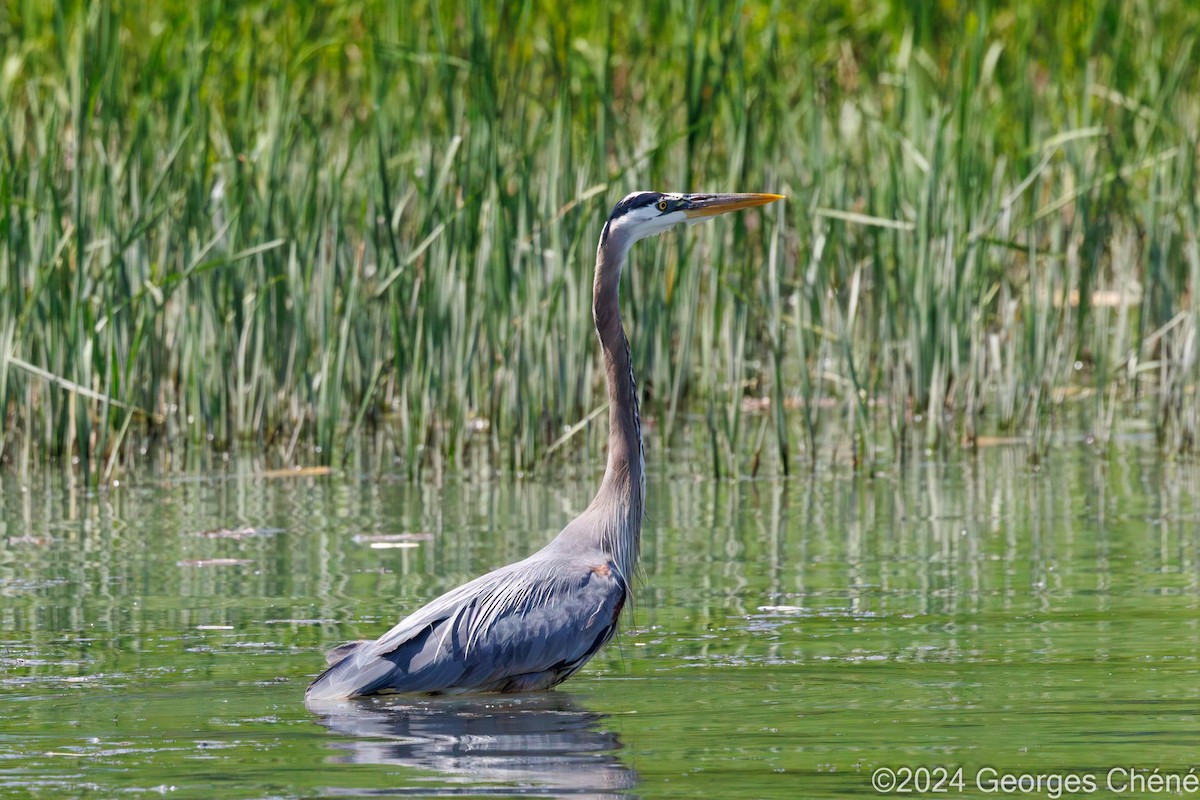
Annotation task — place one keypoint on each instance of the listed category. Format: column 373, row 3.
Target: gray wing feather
column 538, row 615
column 342, row 650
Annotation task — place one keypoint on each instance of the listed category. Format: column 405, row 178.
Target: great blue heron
column 531, row 625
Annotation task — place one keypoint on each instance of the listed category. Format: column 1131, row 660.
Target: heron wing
column 536, row 616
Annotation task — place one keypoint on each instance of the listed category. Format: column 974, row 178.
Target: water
column 789, row 638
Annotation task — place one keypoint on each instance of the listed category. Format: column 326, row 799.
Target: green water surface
column 788, row 639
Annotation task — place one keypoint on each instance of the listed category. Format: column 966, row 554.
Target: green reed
column 306, row 229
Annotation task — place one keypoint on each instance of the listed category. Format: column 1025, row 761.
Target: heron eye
column 662, row 205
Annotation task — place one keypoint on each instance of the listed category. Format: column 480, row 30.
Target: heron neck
column 622, row 493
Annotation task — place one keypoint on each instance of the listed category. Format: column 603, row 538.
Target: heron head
column 643, row 214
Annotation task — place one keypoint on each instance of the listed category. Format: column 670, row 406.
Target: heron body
column 532, row 624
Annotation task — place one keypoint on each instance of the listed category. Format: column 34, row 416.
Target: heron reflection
column 541, row 742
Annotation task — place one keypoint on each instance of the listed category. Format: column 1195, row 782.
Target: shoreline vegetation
column 294, row 229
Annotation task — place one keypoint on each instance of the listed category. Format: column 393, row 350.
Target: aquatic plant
column 346, row 230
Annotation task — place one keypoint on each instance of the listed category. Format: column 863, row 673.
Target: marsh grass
column 301, row 228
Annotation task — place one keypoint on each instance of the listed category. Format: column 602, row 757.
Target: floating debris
column 298, row 472
column 394, row 545
column 244, row 532
column 213, row 562
column 214, row 627
column 782, row 609
column 391, row 538
column 996, row 441
column 40, row 541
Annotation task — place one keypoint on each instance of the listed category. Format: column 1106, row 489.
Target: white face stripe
column 645, row 221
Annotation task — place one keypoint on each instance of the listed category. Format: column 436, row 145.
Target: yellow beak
column 699, row 206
